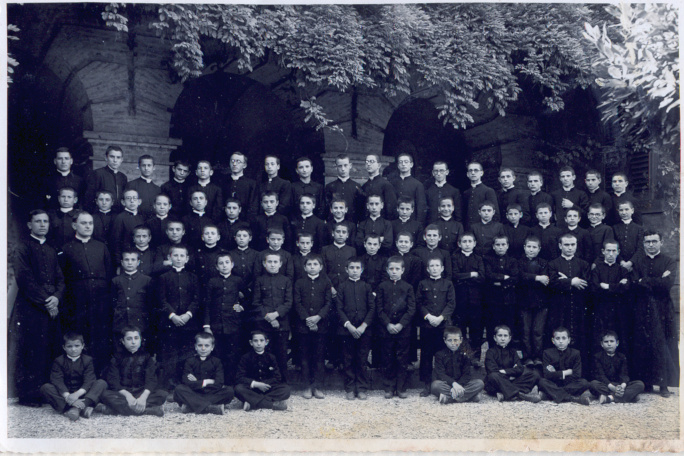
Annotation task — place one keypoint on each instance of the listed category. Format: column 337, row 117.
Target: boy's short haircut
column 435, row 258
column 205, row 161
column 454, row 330
column 371, row 236
column 405, row 154
column 176, row 222
column 162, row 195
column 341, row 224
column 505, row 328
column 484, row 204
column 246, row 230
column 375, row 195
column 113, row 149
column 130, row 328
column 469, row 234
column 314, row 257
column 341, row 157
column 628, row 203
column 277, row 159
column 652, row 233
column 271, row 231
column 304, row 234
column 406, row 200
column 338, row 200
column 142, row 227
column 594, row 172
column 440, row 162
column 67, row 189
column 181, row 162
column 256, row 332
column 561, row 329
column 77, row 213
column 206, row 336
column 145, row 157
column 598, row 206
column 308, row 195
column 566, row 169
column 621, row 174
column 179, row 247
column 193, row 194
column 475, row 163
column 272, row 253
column 104, row 192
column 62, row 150
column 433, row 227
column 568, row 236
column 543, row 206
column 269, row 194
column 73, row 335
column 515, row 207
column 608, row 332
column 35, row 212
column 211, row 225
column 405, row 233
column 244, row 157
column 446, row 198
column 532, row 239
column 223, row 254
column 354, row 259
column 302, row 159
column 572, row 210
column 396, row 259
column 373, row 154
column 501, row 236
column 503, row 170
column 536, row 174
column 232, row 200
column 610, row 241
column 123, row 195
column 130, row 252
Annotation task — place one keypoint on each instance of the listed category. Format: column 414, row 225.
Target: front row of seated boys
column 131, row 382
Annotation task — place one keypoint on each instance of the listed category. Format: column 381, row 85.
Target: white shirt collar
column 66, row 209
column 73, row 359
column 610, row 264
column 63, row 173
column 306, row 216
column 105, row 212
column 42, row 241
column 404, row 220
column 314, row 277
column 144, row 248
column 568, row 189
column 573, row 228
column 162, row 218
column 148, row 180
column 198, row 212
column 84, row 240
column 440, row 185
column 545, row 226
column 178, row 269
column 204, row 184
column 619, row 194
column 595, row 225
column 475, row 185
column 626, row 222
column 652, row 256
column 446, row 219
column 131, row 212
column 131, row 273
column 339, row 246
column 225, row 276
column 568, row 258
column 354, row 280
column 237, row 176
column 373, row 218
column 345, row 179
column 179, row 181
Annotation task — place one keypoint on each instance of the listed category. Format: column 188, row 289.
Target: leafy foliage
column 469, row 53
column 11, row 61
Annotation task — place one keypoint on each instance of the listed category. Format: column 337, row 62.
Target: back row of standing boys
column 345, row 286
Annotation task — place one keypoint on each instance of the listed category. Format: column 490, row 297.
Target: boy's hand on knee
column 457, row 391
column 79, row 404
column 192, row 378
column 139, row 405
column 261, row 386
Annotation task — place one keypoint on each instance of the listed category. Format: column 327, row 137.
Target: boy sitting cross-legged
column 259, row 384
column 73, row 388
column 202, row 389
column 132, row 380
column 611, row 380
column 562, row 379
column 506, row 375
column 452, row 379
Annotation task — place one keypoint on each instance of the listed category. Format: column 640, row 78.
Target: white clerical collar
column 243, row 248
column 508, row 189
column 534, row 193
column 652, row 256
column 198, row 212
column 446, row 219
column 162, row 218
column 178, row 269
column 374, row 218
column 142, row 249
column 404, row 220
column 339, row 246
column 84, row 240
column 619, row 194
column 568, row 189
column 237, row 176
column 64, row 173
column 131, row 212
column 131, row 273
column 313, row 277
column 573, row 228
column 594, row 225
column 66, row 209
column 475, row 185
column 305, row 182
column 105, row 212
column 544, row 226
column 568, row 258
column 345, row 179
column 146, row 179
column 435, row 278
column 42, row 241
column 440, row 184
column 271, row 214
column 355, row 280
column 627, row 222
column 112, row 170
column 610, row 264
column 404, row 177
column 225, row 276
column 210, row 246
column 179, row 181
column 74, row 359
column 306, row 216
column 204, row 184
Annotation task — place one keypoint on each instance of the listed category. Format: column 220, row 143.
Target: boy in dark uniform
column 305, row 185
column 452, row 375
column 62, row 176
column 146, row 189
column 125, row 222
column 409, row 186
column 562, row 380
column 438, row 188
column 61, row 231
column 103, row 217
column 375, row 224
column 568, row 197
column 506, row 375
column 533, row 299
column 212, row 192
column 307, row 222
column 269, row 220
column 230, row 225
column 107, row 178
column 535, row 181
column 476, row 195
column 131, row 293
column 509, row 195
column 378, row 185
column 177, row 188
column 346, row 189
column 598, row 231
column 276, row 184
column 405, row 221
column 195, row 220
column 611, row 378
column 501, row 272
column 159, row 219
column 240, row 187
column 547, row 233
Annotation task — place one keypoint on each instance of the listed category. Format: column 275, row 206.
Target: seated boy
column 132, row 380
column 259, row 384
column 562, row 380
column 611, row 380
column 396, row 305
column 73, row 386
column 202, row 389
column 452, row 379
column 506, row 375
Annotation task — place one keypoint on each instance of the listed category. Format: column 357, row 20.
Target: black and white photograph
column 337, row 227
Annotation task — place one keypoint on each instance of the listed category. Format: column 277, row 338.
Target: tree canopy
column 471, row 53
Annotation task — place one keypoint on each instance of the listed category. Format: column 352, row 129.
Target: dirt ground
column 334, row 417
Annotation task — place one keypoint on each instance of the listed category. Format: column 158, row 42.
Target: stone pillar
column 133, row 147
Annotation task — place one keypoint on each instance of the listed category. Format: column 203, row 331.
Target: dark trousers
column 198, row 401
column 257, row 399
column 355, row 353
column 474, row 320
column 395, row 361
column 312, row 357
column 229, row 351
column 496, row 382
column 533, row 326
column 175, row 346
column 563, row 393
column 632, row 390
column 117, row 402
column 431, row 341
column 90, row 398
column 472, row 388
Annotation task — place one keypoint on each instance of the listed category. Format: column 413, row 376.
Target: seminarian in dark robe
column 245, row 190
column 378, row 185
column 472, row 198
column 147, row 192
column 56, row 180
column 104, row 179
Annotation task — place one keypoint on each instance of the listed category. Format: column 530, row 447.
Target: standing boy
column 598, row 231
column 515, row 231
column 125, row 222
column 61, row 231
column 305, row 185
column 619, row 195
column 535, row 182
column 131, row 293
column 375, row 225
column 378, row 185
column 547, row 233
column 486, row 229
column 477, row 194
column 307, row 222
column 509, row 194
column 147, row 190
column 592, row 180
column 212, row 192
column 107, row 178
column 103, row 218
column 269, row 219
column 449, row 228
column 195, row 221
column 501, row 272
column 241, row 187
column 276, row 184
column 159, row 220
column 409, row 186
column 533, row 299
column 62, row 176
column 404, row 221
column 177, row 188
column 569, row 197
column 345, row 188
column 439, row 188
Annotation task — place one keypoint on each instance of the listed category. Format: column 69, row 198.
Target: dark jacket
column 312, row 297
column 562, row 360
column 179, row 293
column 69, row 376
column 452, row 366
column 221, row 296
column 260, row 368
column 273, row 292
column 209, row 369
column 436, row 297
column 498, row 358
column 610, row 369
column 355, row 303
column 133, row 372
column 395, row 303
column 132, row 295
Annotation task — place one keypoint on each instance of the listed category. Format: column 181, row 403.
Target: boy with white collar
column 407, row 185
column 477, row 194
column 212, row 192
column 274, row 183
column 125, row 222
column 147, row 190
column 568, row 196
column 439, row 188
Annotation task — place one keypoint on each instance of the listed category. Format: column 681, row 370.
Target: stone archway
column 220, row 113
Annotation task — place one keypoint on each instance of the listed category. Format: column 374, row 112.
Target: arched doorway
column 220, row 113
column 416, row 128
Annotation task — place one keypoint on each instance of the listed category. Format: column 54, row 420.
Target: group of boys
column 197, row 260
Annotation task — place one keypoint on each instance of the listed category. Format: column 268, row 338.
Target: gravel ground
column 335, row 417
